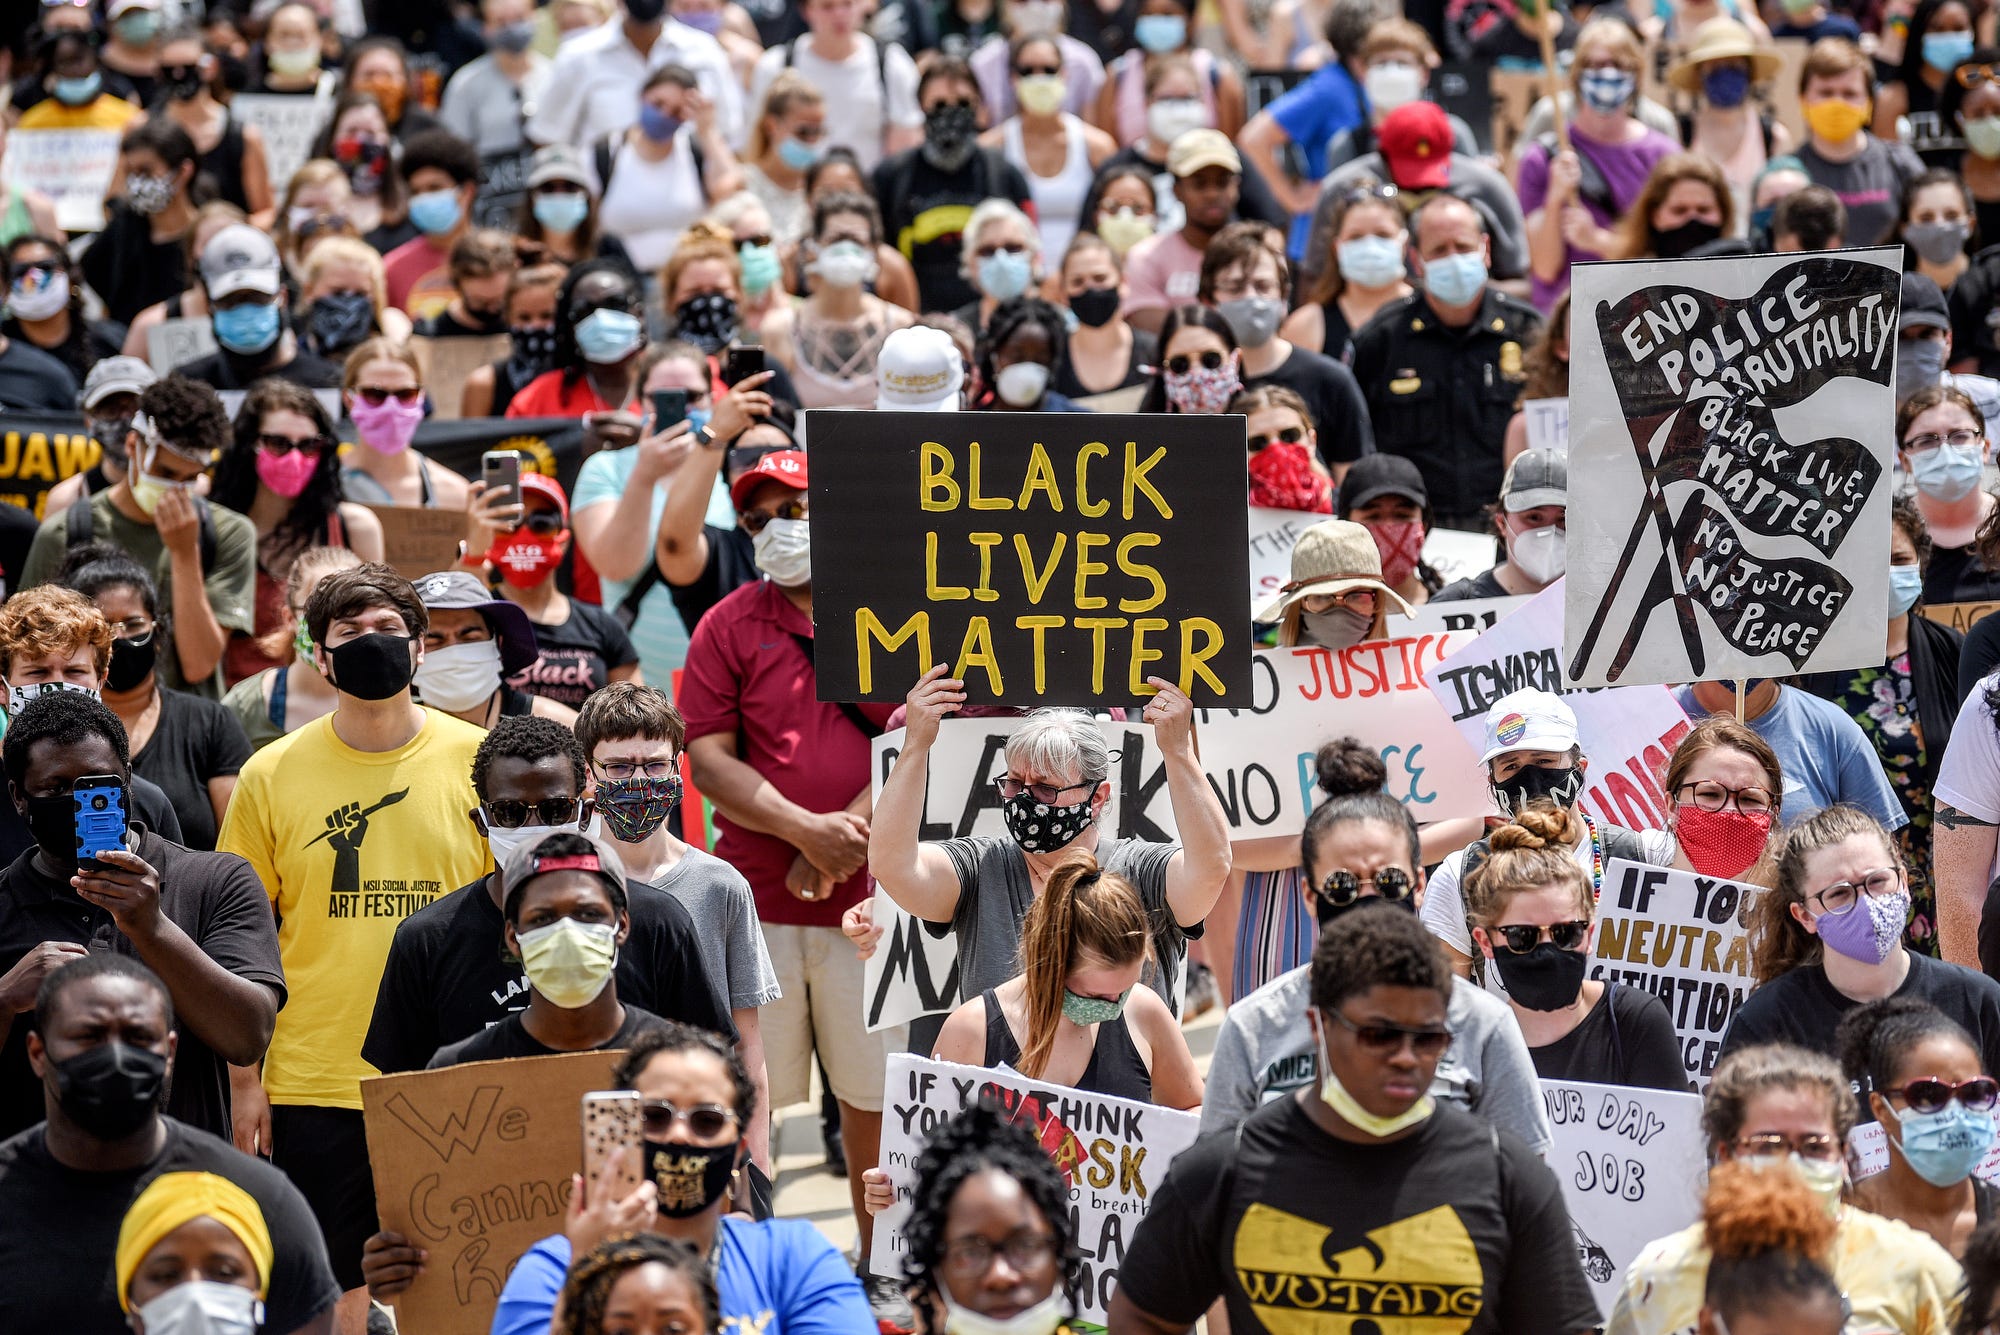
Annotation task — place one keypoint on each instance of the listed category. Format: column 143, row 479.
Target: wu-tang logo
column 1417, row 1276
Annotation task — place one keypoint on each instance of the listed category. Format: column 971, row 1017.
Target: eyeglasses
column 1817, row 1146
column 135, row 631
column 1391, row 1037
column 1180, row 364
column 755, row 520
column 1520, row 938
column 1707, row 795
column 1971, row 76
column 1842, row 896
column 626, row 769
column 1010, row 248
column 1361, row 601
column 1030, row 71
column 1368, row 190
column 1929, row 1094
column 1930, row 440
column 706, row 1120
column 270, row 442
column 507, row 814
column 1047, row 794
column 1291, row 435
column 1024, row 1251
column 321, row 223
column 1343, row 887
column 375, row 396
column 761, row 239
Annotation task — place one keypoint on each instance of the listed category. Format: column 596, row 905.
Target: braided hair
column 592, row 1276
column 1007, row 318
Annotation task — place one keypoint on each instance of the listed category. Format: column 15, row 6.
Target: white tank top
column 1059, row 198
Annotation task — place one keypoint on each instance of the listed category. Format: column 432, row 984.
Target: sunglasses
column 322, row 224
column 1520, row 938
column 375, row 396
column 1181, row 364
column 272, row 443
column 1291, row 435
column 755, row 520
column 547, row 523
column 988, row 252
column 1343, row 887
column 1030, row 71
column 706, row 1120
column 1390, row 1037
column 507, row 814
column 1929, row 1094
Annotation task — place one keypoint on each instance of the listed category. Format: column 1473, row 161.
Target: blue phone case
column 100, row 817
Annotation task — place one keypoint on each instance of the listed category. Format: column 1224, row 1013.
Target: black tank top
column 223, row 165
column 1115, row 1069
column 504, row 388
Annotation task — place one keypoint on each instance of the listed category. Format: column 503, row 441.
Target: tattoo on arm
column 1952, row 818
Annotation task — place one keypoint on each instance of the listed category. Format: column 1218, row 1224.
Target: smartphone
column 611, row 1121
column 670, row 406
column 740, row 363
column 500, row 470
column 101, row 816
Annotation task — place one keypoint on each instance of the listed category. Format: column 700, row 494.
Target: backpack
column 77, row 528
column 604, row 155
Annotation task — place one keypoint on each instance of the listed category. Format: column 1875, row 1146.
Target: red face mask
column 525, row 559
column 1401, row 543
column 1721, row 843
column 1282, row 478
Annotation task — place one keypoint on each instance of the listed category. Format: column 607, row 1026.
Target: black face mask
column 949, row 134
column 234, row 71
column 690, row 1177
column 1547, row 978
column 1327, row 913
column 486, row 322
column 1532, row 782
column 534, row 352
column 340, row 321
column 52, row 820
column 372, row 667
column 111, row 1090
column 707, row 321
column 645, row 11
column 1094, row 306
column 1678, row 241
column 182, row 84
column 131, row 662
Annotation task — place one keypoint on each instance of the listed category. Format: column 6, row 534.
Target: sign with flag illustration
column 1731, row 435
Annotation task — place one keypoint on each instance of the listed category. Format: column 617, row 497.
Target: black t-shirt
column 224, row 370
column 510, row 1038
column 89, row 342
column 1339, row 412
column 194, row 741
column 1299, row 1231
column 17, row 535
column 1979, row 655
column 577, row 655
column 130, row 270
column 923, row 210
column 214, row 897
column 446, row 980
column 31, row 381
column 1145, row 348
column 1481, row 585
column 59, row 1233
column 732, row 563
column 1627, row 1039
column 1955, row 575
column 1802, row 1007
column 155, row 812
column 1974, row 302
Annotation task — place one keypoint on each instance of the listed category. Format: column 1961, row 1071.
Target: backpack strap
column 627, row 611
column 1591, row 188
column 853, row 713
column 78, row 528
column 604, row 155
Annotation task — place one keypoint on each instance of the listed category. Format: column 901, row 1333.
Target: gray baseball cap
column 1536, row 477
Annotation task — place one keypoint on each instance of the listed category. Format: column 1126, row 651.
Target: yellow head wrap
column 173, row 1199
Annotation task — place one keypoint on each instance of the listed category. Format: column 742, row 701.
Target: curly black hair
column 1008, row 318
column 675, row 1036
column 567, row 358
column 1380, row 947
column 442, row 149
column 526, row 737
column 1874, row 1039
column 981, row 1138
column 187, row 413
column 593, row 1275
column 305, row 523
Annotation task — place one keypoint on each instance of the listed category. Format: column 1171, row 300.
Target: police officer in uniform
column 1441, row 368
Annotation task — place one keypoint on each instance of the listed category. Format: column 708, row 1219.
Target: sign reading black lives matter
column 1731, row 433
column 1048, row 558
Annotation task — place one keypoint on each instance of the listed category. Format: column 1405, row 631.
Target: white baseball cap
column 918, row 370
column 1529, row 720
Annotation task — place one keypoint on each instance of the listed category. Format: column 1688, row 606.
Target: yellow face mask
column 1835, row 119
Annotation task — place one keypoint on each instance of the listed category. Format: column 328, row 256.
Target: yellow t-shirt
column 104, row 112
column 349, row 843
column 1899, row 1281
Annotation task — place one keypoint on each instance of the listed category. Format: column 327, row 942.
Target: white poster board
column 1113, row 1155
column 1466, row 616
column 176, row 342
column 1457, row 555
column 289, row 122
column 1731, row 436
column 74, row 168
column 1272, row 533
column 1547, row 421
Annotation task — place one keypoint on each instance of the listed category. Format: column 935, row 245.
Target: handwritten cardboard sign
column 174, row 343
column 1049, row 558
column 72, row 167
column 1959, row 616
column 417, row 541
column 1112, row 1153
column 446, row 362
column 473, row 1164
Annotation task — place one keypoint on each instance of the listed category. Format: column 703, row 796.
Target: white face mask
column 1392, row 86
column 505, row 842
column 459, row 676
column 1041, row 1319
column 1022, row 384
column 844, row 264
column 203, row 1307
column 1171, row 117
column 19, row 696
column 1541, row 553
column 784, row 552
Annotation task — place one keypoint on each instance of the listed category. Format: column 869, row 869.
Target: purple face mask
column 1868, row 932
column 707, row 20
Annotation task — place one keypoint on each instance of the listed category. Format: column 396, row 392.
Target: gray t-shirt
column 482, row 104
column 1870, row 185
column 718, row 899
column 994, row 893
column 1265, row 1051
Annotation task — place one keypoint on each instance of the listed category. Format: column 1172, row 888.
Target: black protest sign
column 38, row 450
column 551, row 445
column 1047, row 558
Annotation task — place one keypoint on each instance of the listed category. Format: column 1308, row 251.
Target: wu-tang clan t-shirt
column 1454, row 1230
column 349, row 843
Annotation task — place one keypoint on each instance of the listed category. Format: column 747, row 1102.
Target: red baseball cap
column 1415, row 140
column 786, row 466
column 550, row 490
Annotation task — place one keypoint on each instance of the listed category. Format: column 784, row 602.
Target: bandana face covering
column 1204, row 391
column 1040, row 828
column 1282, row 478
column 1721, row 843
column 1401, row 544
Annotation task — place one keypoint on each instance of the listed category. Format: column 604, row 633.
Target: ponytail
column 1081, row 910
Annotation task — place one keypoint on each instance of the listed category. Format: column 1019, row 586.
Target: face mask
column 515, row 38
column 525, row 559
column 1335, row 628
column 1949, row 472
column 1455, row 280
column 1392, row 86
column 949, row 134
column 1674, row 242
column 1254, row 320
column 147, row 489
column 760, row 268
column 607, row 337
column 249, row 329
column 1547, row 978
column 1869, row 931
column 1325, row 914
column 1094, row 306
column 19, row 696
column 657, row 125
column 386, row 427
column 131, row 663
column 632, row 809
column 1040, row 828
column 1022, row 384
column 1938, row 242
column 1126, row 228
column 1607, row 91
column 1336, row 1097
column 708, row 21
column 387, row 90
column 1044, row 1318
column 1401, row 544
column 79, row 92
column 533, row 351
column 113, row 1089
column 1160, row 32
column 797, row 154
column 459, row 677
column 1982, row 136
column 110, row 434
column 1906, row 585
column 561, row 213
column 1092, row 1010
column 1041, row 94
column 434, row 212
column 1826, row 1178
column 1171, row 117
column 1371, row 261
column 371, row 667
column 148, row 194
column 569, row 962
column 1835, row 120
column 1721, row 843
column 340, row 321
column 39, row 294
column 1945, row 51
column 690, row 1178
column 1005, row 274
column 293, row 64
column 1726, row 87
column 1944, row 1147
column 1542, row 554
column 1201, row 390
column 365, row 178
column 784, row 552
column 645, row 11
column 1532, row 782
column 203, row 1307
column 1282, row 478
column 707, row 321
column 503, row 843
column 141, row 28
column 844, row 264
column 1919, row 362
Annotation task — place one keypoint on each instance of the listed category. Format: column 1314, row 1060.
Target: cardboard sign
column 1628, row 733
column 1125, row 400
column 417, row 541
column 38, row 450
column 1631, row 1163
column 446, row 362
column 1730, row 466
column 1686, row 939
column 1466, row 616
column 1547, row 422
column 914, row 970
column 290, row 123
column 1112, row 1153
column 1959, row 616
column 183, row 339
column 472, row 1163
column 1273, row 533
column 74, row 168
column 1049, row 558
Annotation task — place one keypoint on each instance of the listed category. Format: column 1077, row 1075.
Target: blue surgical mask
column 1607, row 90
column 1945, row 51
column 657, row 125
column 562, row 214
column 608, row 336
column 79, row 92
column 1455, row 280
column 698, row 418
column 1156, row 33
column 1906, row 585
column 1005, row 274
column 1949, row 472
column 247, row 329
column 1943, row 1147
column 1371, row 261
column 1726, row 86
column 434, row 212
column 797, row 154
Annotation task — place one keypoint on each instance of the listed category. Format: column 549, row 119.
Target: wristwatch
column 705, row 437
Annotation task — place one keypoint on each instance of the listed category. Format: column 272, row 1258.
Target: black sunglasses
column 1291, row 435
column 508, row 814
column 1521, row 938
column 272, row 443
column 761, row 239
column 1390, row 1037
column 1029, row 71
column 1181, row 364
column 375, row 396
column 1343, row 887
column 545, row 522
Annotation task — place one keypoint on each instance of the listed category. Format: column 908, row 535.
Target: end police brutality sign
column 1047, row 558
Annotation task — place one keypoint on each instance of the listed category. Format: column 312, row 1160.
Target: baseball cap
column 239, row 258
column 1923, row 304
column 116, row 375
column 524, row 864
column 1202, row 148
column 456, row 590
column 1415, row 140
column 118, row 7
column 1536, row 477
column 557, row 162
column 1529, row 720
column 786, row 466
column 550, row 490
column 918, row 371
column 1375, row 475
